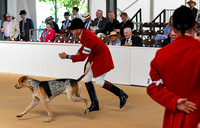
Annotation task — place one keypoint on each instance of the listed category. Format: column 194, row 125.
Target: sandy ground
column 139, row 112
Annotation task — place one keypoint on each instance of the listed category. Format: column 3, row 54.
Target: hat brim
column 71, row 28
column 22, row 13
column 192, row 2
column 118, row 36
column 86, row 17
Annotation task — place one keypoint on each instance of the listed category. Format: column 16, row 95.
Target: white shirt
column 78, row 16
column 129, row 40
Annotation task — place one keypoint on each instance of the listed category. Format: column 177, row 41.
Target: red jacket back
column 174, row 74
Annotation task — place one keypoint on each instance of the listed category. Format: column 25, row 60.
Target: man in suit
column 66, row 23
column 88, row 21
column 126, row 23
column 192, row 3
column 25, row 25
column 10, row 28
column 99, row 24
column 129, row 39
column 112, row 23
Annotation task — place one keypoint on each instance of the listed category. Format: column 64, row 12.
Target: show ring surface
column 139, row 112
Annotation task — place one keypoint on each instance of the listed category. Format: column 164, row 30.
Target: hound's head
column 22, row 82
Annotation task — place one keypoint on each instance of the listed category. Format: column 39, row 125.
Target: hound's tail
column 85, row 73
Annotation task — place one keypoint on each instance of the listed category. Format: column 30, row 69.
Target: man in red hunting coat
column 175, row 74
column 97, row 53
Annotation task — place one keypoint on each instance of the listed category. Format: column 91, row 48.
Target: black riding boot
column 93, row 97
column 118, row 92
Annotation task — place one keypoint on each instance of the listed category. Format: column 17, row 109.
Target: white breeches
column 99, row 80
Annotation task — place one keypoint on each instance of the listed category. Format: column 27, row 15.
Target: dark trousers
column 6, row 38
column 24, row 38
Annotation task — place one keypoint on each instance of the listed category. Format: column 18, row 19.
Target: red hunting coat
column 50, row 35
column 96, row 51
column 174, row 74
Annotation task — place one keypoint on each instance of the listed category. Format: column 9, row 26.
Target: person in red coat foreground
column 175, row 74
column 97, row 52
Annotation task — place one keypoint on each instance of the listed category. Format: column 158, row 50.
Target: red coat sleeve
column 80, row 50
column 157, row 90
column 84, row 51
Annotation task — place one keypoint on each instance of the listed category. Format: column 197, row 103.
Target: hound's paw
column 86, row 111
column 20, row 115
column 48, row 120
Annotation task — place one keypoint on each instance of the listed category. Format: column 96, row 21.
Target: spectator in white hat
column 88, row 21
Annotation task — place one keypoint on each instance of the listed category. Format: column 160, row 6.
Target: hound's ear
column 22, row 79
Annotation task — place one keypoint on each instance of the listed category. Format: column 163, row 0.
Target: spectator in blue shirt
column 167, row 31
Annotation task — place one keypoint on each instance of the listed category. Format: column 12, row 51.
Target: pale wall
column 132, row 64
column 159, row 5
column 14, row 7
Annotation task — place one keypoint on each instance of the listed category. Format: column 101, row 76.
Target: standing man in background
column 67, row 22
column 76, row 14
column 192, row 3
column 25, row 25
column 10, row 28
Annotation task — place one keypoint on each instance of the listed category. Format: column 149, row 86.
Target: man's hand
column 64, row 27
column 185, row 106
column 127, row 44
column 63, row 55
column 198, row 125
column 93, row 31
column 117, row 30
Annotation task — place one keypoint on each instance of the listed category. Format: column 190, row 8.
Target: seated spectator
column 114, row 38
column 75, row 11
column 126, row 23
column 48, row 34
column 88, row 21
column 10, row 28
column 55, row 25
column 99, row 24
column 129, row 39
column 112, row 23
column 172, row 36
column 197, row 35
column 167, row 31
column 67, row 22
